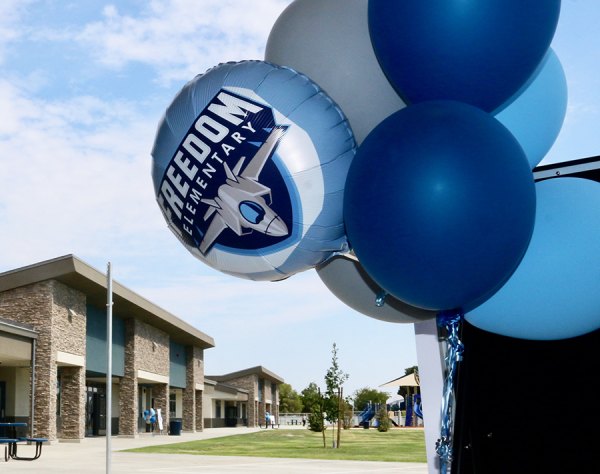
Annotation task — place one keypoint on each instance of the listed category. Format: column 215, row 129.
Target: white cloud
column 208, row 300
column 181, row 38
column 10, row 13
column 76, row 175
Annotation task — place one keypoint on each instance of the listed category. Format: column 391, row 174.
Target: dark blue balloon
column 439, row 205
column 475, row 51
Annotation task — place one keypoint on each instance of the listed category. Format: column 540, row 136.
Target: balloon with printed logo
column 345, row 277
column 479, row 52
column 553, row 293
column 536, row 113
column 249, row 166
column 329, row 42
column 439, row 205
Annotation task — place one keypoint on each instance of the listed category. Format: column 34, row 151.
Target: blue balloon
column 536, row 113
column 475, row 51
column 439, row 205
column 553, row 294
column 249, row 166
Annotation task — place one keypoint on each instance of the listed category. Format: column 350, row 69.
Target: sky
column 83, row 86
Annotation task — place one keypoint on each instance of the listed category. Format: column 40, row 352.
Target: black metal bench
column 9, row 442
column 12, row 448
column 270, row 425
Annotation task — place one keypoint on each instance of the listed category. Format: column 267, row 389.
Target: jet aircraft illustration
column 239, row 204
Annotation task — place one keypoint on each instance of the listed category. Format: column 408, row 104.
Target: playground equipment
column 365, row 417
column 412, row 399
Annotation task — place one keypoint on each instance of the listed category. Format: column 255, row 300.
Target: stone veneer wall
column 128, row 388
column 274, row 401
column 45, row 306
column 147, row 349
column 199, row 417
column 194, row 374
column 72, row 408
column 250, row 383
column 69, row 312
column 152, row 349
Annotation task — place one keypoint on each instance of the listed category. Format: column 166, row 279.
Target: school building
column 53, row 360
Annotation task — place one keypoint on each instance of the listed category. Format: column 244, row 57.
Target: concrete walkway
column 89, row 457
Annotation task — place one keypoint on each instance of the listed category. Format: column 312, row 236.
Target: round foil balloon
column 249, row 166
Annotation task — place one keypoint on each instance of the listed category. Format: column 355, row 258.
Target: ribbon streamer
column 451, row 321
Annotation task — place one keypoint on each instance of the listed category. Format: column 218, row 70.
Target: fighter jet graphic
column 240, row 203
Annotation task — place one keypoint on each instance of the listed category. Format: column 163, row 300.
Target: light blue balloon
column 536, row 113
column 555, row 291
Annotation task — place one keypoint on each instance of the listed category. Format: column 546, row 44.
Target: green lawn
column 399, row 445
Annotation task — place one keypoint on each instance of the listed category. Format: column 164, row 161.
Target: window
column 172, row 405
column 261, row 389
column 218, row 409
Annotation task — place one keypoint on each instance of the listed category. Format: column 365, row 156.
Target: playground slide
column 366, row 415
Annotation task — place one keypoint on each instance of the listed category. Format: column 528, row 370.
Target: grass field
column 400, row 445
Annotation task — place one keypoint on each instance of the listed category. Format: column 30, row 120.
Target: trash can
column 230, row 422
column 175, row 427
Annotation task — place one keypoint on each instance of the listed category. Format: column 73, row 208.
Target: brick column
column 189, row 392
column 160, row 394
column 73, row 402
column 275, row 403
column 128, row 388
column 45, row 392
column 199, row 418
column 192, row 399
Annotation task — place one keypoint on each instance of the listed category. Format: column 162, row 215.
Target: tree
column 411, row 370
column 405, row 391
column 289, row 400
column 363, row 396
column 334, row 381
column 310, row 397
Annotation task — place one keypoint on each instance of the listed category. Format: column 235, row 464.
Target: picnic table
column 11, row 442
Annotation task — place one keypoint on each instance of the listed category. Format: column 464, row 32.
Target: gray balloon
column 328, row 41
column 345, row 277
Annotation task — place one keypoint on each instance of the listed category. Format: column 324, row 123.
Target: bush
column 383, row 420
column 348, row 418
column 315, row 421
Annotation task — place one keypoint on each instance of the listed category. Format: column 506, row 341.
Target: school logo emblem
column 223, row 186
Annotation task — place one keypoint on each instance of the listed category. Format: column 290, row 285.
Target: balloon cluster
column 389, row 145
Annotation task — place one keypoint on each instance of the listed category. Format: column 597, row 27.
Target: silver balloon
column 328, row 40
column 345, row 277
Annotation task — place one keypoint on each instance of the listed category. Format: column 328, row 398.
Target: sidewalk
column 89, row 456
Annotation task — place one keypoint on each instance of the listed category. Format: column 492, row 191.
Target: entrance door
column 89, row 413
column 95, row 412
column 145, row 402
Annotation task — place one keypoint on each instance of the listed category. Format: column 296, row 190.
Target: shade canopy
column 410, row 380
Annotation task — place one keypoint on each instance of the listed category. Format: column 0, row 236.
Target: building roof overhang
column 77, row 274
column 258, row 370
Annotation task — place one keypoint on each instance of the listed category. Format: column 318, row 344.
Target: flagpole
column 109, row 305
